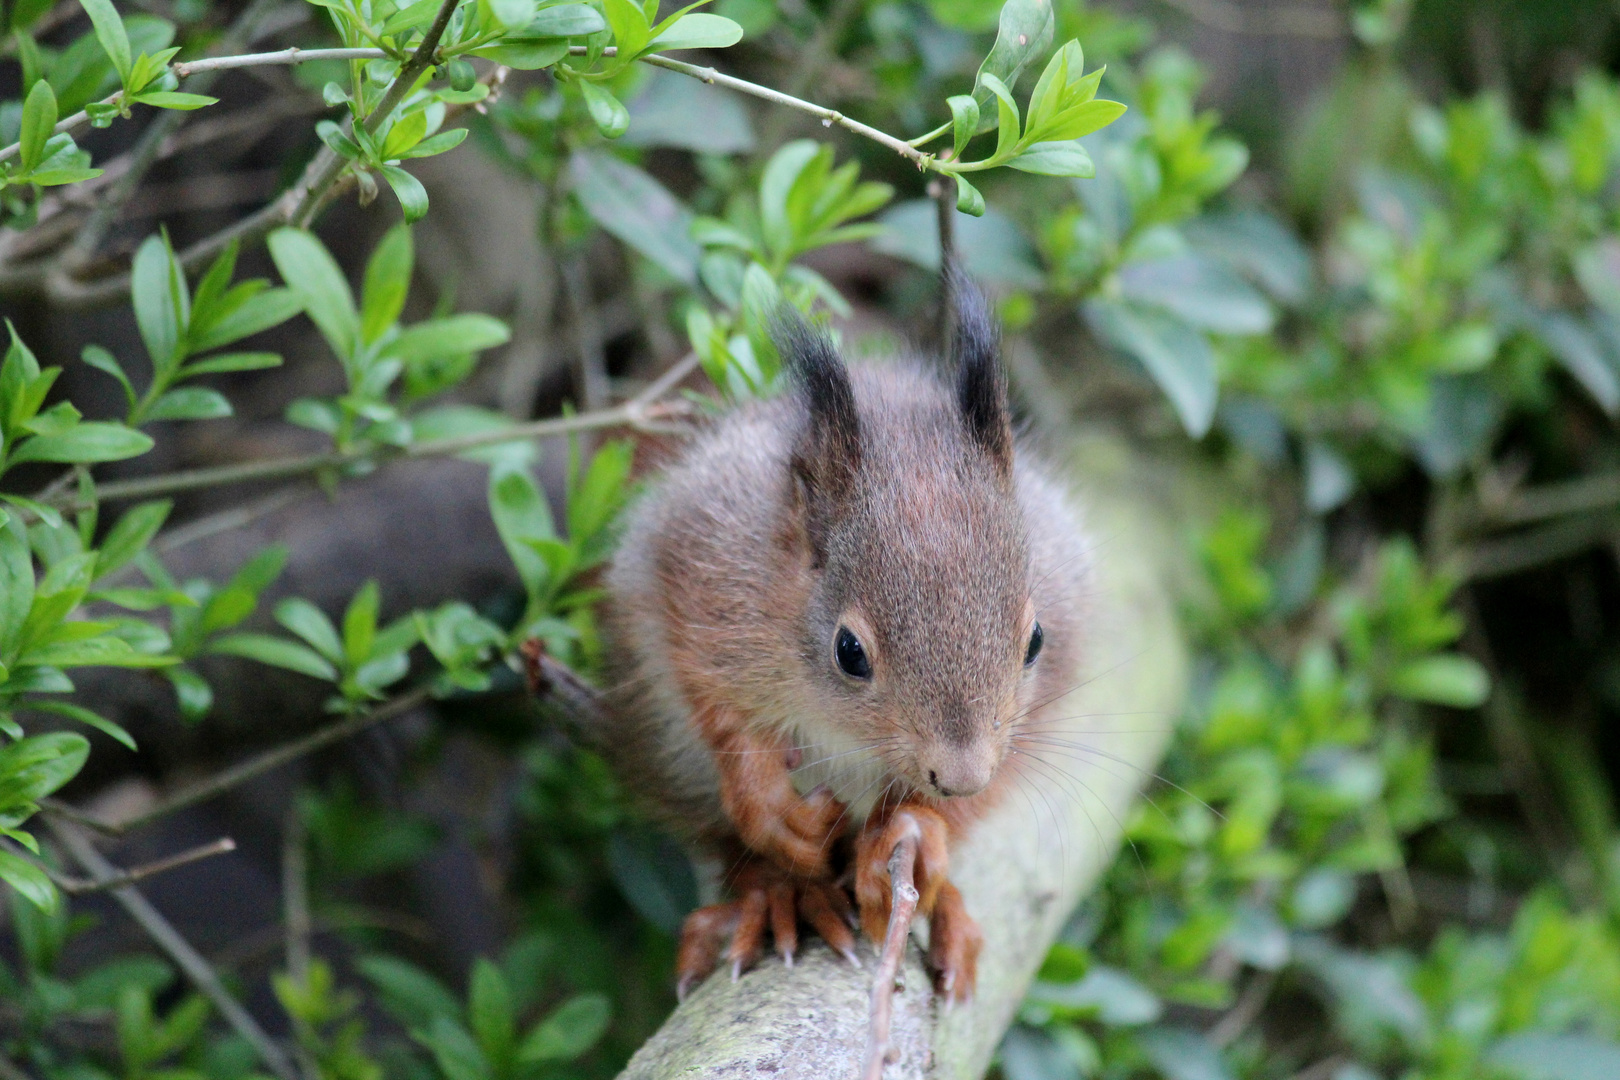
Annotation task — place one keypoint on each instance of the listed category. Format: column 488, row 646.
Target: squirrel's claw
column 768, row 903
column 954, row 941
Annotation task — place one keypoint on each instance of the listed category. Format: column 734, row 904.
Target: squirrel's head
column 920, row 637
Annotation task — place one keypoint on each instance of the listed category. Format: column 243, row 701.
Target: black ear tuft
column 827, row 454
column 981, row 382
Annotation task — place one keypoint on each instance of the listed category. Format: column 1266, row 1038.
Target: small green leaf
column 47, row 514
column 512, row 14
column 699, row 31
column 1447, row 679
column 968, row 199
column 190, row 403
column 38, row 125
column 31, row 883
column 520, row 55
column 89, row 442
column 455, row 1052
column 489, row 1011
column 360, row 624
column 386, row 284
column 191, row 691
column 111, row 33
column 403, row 134
column 437, row 144
column 1055, row 159
column 236, row 361
column 246, row 316
column 964, row 120
column 313, row 275
column 102, row 360
column 612, row 119
column 162, row 301
column 169, row 99
column 564, row 20
column 277, row 652
column 413, row 197
column 453, row 335
column 571, row 1029
column 335, row 137
column 129, row 537
column 1023, row 33
column 310, row 623
column 1007, row 124
column 86, row 717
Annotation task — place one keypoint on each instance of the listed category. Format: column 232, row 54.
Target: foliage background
column 1365, row 319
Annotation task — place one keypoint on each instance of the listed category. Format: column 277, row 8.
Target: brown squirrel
column 841, row 609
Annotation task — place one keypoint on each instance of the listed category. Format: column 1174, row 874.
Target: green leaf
column 190, row 403
column 968, row 199
column 47, row 514
column 1447, row 679
column 630, row 28
column 612, row 119
column 403, row 134
column 411, row 17
column 564, row 20
column 776, row 186
column 964, row 120
column 489, row 1011
column 453, row 335
column 38, row 125
column 102, row 360
column 1024, row 32
column 40, row 764
column 638, row 210
column 360, row 624
column 1081, row 120
column 1177, row 357
column 569, row 1030
column 236, row 361
column 387, row 283
column 1597, row 268
column 246, row 316
column 191, row 691
column 16, row 584
column 314, row 277
column 522, row 56
column 414, row 997
column 413, row 197
column 310, row 623
column 86, row 443
column 169, row 99
column 338, row 140
column 455, row 1052
column 512, row 14
column 521, row 514
column 1055, row 159
column 277, row 652
column 1007, row 115
column 162, row 302
column 699, row 31
column 86, row 717
column 129, row 537
column 240, row 596
column 437, row 144
column 111, row 33
column 31, row 883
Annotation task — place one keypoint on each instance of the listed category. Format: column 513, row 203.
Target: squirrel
column 829, row 624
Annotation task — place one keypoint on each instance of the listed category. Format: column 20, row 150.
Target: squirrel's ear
column 981, row 383
column 827, row 453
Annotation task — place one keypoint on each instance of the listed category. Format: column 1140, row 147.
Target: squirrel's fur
column 888, row 499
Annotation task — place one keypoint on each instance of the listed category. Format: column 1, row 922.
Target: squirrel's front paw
column 766, row 899
column 954, row 938
column 793, row 832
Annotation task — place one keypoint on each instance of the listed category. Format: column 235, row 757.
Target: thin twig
column 244, row 771
column 1598, row 492
column 186, row 958
column 902, row 907
column 278, row 58
column 76, row 886
column 1238, row 1018
column 305, row 464
column 666, row 382
column 295, row 893
column 776, row 97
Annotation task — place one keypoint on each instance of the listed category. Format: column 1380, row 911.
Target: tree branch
column 187, row 959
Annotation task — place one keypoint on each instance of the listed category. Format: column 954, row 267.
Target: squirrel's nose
column 959, row 771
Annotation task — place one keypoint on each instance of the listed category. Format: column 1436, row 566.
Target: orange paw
column 767, row 899
column 954, row 941
column 872, row 852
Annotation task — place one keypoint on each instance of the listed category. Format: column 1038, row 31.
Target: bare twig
column 79, row 886
column 902, row 907
column 1292, row 20
column 295, row 893
column 279, row 57
column 244, row 771
column 1598, row 492
column 187, row 959
column 305, row 464
column 1237, row 1019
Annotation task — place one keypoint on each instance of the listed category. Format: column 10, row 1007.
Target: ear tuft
column 827, row 453
column 981, row 382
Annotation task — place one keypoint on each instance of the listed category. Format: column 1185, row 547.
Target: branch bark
column 1021, row 872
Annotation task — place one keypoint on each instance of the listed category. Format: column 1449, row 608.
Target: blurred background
column 1344, row 293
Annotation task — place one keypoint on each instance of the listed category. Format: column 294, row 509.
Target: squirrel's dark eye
column 851, row 656
column 1037, row 638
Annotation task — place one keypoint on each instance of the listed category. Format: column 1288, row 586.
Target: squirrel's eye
column 1037, row 638
column 851, row 656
